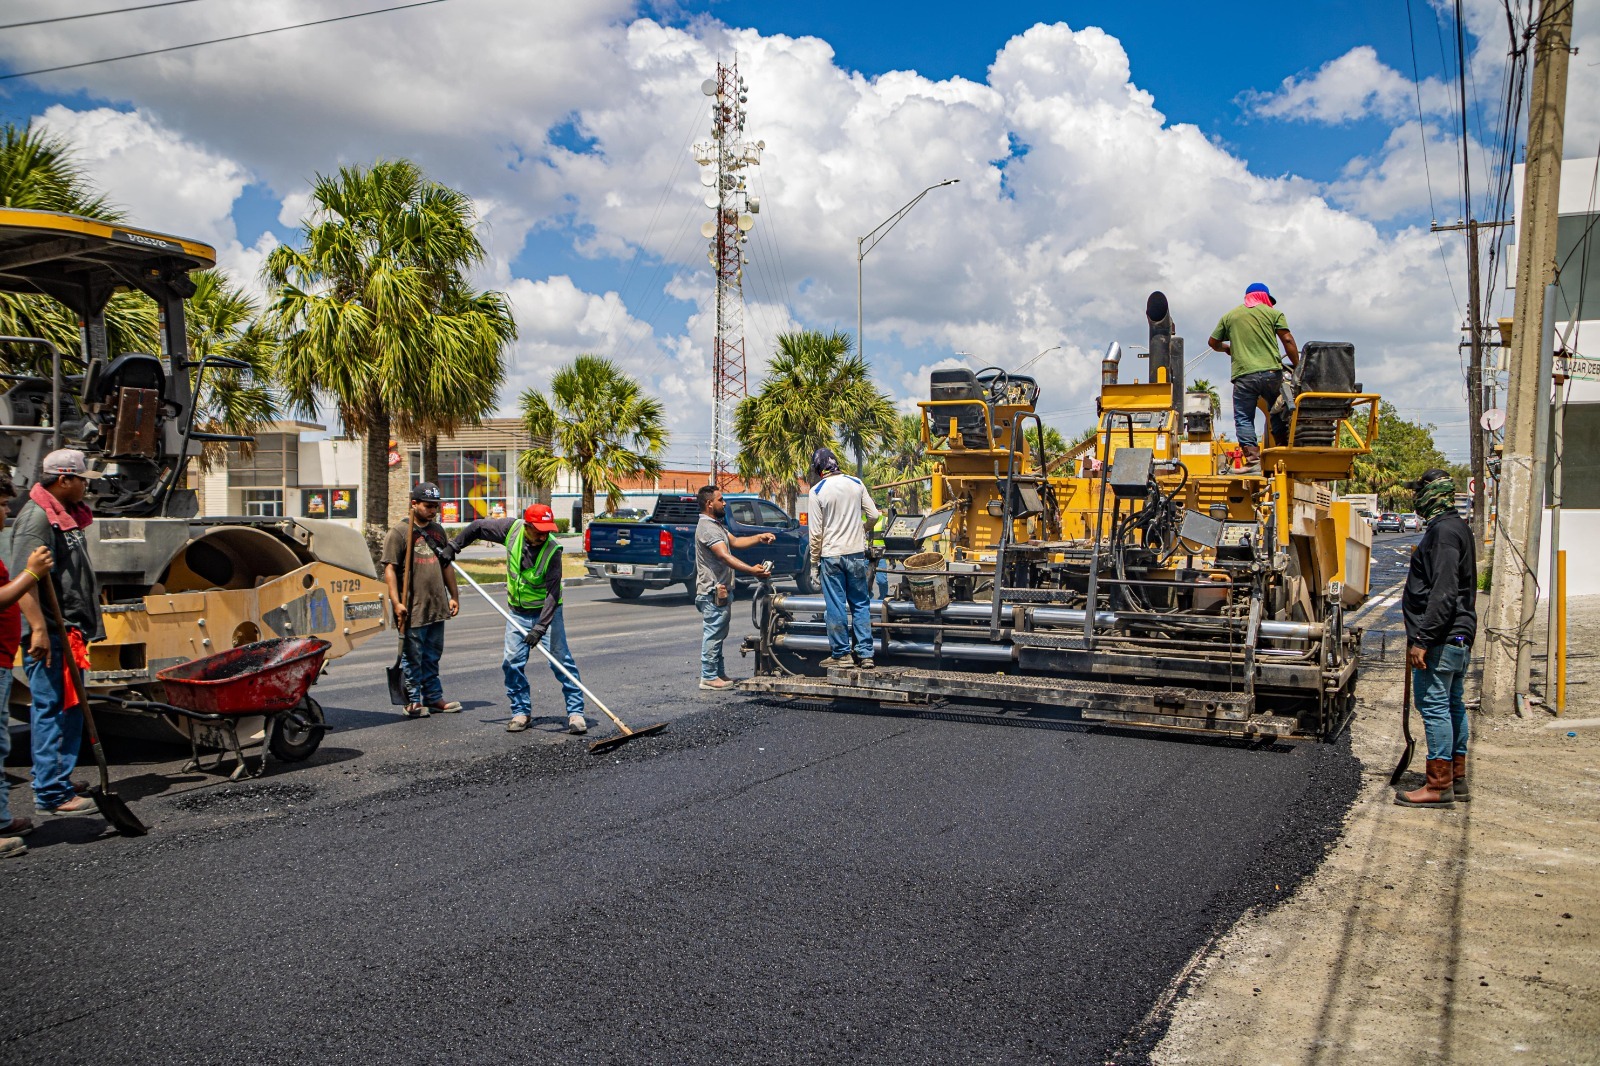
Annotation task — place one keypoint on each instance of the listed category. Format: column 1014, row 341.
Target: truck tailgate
column 625, row 542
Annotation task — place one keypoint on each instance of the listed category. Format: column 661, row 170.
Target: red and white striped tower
column 723, row 159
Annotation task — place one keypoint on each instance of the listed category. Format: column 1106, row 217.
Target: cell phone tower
column 722, row 160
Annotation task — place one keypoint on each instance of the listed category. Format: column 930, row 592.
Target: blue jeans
column 57, row 733
column 1266, row 385
column 1437, row 690
column 420, row 662
column 883, row 579
column 847, row 597
column 516, row 660
column 5, row 742
column 717, row 620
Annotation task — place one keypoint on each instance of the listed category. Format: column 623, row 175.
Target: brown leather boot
column 1458, row 783
column 1252, row 459
column 1436, row 792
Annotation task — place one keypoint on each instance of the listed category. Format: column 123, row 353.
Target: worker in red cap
column 533, row 587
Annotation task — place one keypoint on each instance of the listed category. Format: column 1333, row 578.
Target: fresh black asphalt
column 756, row 884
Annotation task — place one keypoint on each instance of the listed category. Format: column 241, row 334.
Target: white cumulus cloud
column 1076, row 195
column 1353, row 86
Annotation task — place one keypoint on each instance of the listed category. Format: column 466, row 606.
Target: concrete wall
column 1580, row 530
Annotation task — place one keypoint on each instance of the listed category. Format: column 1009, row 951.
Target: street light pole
column 870, row 241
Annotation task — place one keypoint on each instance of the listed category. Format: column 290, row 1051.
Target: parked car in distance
column 1388, row 522
column 638, row 556
column 1410, row 523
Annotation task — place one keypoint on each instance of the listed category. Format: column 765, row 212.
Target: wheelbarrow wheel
column 299, row 732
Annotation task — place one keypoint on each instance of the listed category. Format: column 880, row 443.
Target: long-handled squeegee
column 624, row 734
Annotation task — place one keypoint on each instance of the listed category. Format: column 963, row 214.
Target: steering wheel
column 995, row 381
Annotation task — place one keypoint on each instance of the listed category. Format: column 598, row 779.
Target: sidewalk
column 1464, row 936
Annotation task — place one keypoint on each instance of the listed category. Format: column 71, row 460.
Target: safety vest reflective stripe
column 525, row 588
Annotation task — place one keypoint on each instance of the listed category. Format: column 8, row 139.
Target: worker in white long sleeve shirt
column 841, row 515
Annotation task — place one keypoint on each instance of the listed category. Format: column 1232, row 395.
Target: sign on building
column 328, row 503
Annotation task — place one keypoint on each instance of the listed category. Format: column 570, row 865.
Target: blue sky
column 1193, row 57
column 567, row 125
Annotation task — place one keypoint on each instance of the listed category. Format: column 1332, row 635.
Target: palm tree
column 224, row 320
column 473, row 332
column 815, row 394
column 900, row 457
column 39, row 172
column 600, row 425
column 1202, row 385
column 375, row 313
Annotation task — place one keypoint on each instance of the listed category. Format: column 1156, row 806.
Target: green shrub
column 563, row 524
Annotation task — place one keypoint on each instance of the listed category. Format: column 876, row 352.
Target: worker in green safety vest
column 533, row 587
column 883, row 564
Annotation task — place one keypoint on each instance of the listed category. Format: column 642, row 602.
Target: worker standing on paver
column 714, row 564
column 1250, row 334
column 421, row 610
column 881, row 565
column 55, row 517
column 533, row 592
column 1439, row 604
column 842, row 512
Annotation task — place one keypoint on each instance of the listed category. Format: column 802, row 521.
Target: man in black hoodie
column 1441, row 619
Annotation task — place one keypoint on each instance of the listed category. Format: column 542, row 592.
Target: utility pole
column 1511, row 603
column 1476, row 392
column 724, row 158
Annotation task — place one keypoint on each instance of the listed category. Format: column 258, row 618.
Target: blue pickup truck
column 635, row 556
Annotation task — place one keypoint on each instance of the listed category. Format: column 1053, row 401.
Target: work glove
column 535, row 634
column 438, row 543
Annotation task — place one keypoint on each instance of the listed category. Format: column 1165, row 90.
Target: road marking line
column 1384, row 600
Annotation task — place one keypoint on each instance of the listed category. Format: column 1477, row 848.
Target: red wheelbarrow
column 208, row 698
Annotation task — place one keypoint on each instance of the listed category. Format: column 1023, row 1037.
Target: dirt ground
column 1464, row 936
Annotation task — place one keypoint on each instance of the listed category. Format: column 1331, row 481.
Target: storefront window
column 473, row 484
column 274, row 462
column 263, row 503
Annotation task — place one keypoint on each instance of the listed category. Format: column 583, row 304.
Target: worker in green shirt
column 1250, row 334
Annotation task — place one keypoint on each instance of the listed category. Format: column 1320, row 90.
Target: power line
column 1422, row 133
column 92, row 14
column 215, row 40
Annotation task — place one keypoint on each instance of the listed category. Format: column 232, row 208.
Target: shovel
column 396, row 675
column 624, row 734
column 111, row 805
column 1405, row 725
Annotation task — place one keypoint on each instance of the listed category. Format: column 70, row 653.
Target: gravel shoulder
column 1467, row 936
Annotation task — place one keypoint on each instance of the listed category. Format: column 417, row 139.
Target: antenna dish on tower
column 709, row 86
column 708, row 228
column 746, row 223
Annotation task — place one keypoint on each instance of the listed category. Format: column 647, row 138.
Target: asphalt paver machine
column 175, row 586
column 1142, row 579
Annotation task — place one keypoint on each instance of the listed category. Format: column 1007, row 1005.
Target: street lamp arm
column 878, row 233
column 882, row 229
